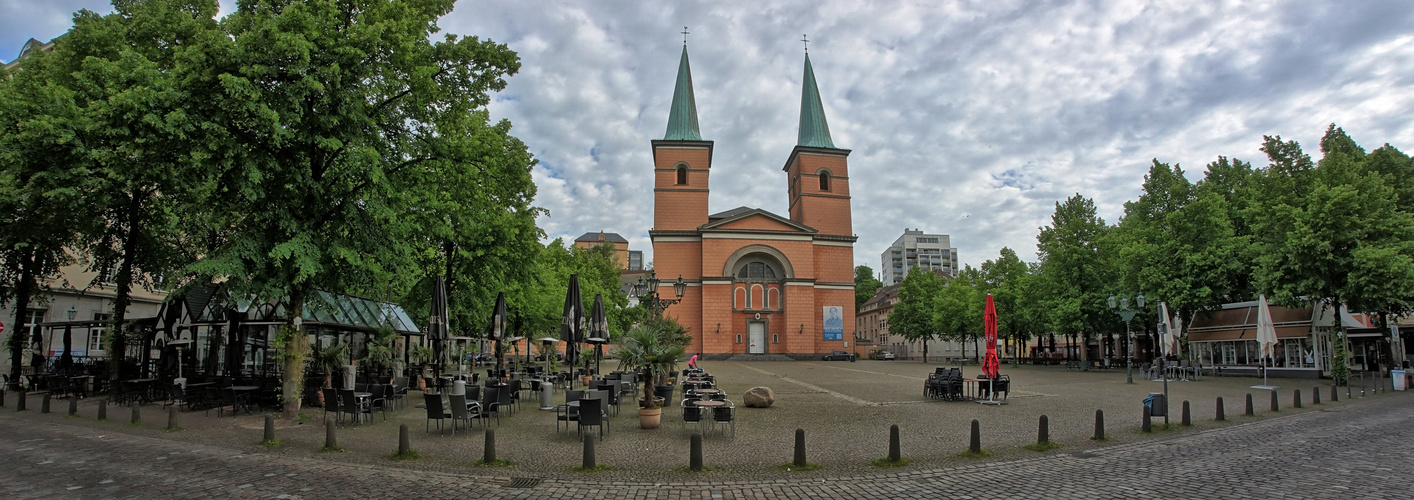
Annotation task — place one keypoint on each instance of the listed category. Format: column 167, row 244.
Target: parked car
column 838, row 356
column 884, row 355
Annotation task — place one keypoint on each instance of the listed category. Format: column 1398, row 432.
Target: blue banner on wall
column 834, row 322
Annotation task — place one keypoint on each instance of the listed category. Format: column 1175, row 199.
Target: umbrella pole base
column 991, row 402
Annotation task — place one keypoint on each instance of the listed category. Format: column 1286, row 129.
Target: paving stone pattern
column 1356, row 448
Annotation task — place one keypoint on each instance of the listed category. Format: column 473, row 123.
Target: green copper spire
column 682, row 118
column 814, row 132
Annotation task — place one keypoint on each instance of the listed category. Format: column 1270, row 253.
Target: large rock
column 759, row 397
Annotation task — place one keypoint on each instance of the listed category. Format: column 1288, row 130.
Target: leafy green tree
column 342, row 116
column 1337, row 238
column 958, row 308
column 141, row 128
column 1008, row 279
column 1075, row 268
column 865, row 285
column 40, row 206
column 913, row 316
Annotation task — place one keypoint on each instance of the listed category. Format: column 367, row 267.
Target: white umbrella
column 1266, row 334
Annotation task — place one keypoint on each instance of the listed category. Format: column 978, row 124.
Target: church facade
column 758, row 282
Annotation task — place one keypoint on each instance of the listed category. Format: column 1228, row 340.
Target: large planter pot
column 649, row 419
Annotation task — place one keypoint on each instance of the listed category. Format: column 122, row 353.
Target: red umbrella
column 990, row 365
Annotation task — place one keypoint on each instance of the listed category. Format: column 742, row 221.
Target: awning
column 1248, row 333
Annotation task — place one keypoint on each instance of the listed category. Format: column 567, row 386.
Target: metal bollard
column 695, row 453
column 799, row 448
column 1275, row 406
column 895, row 453
column 1335, row 396
column 44, row 404
column 269, row 429
column 102, row 410
column 73, row 407
column 588, row 463
column 1043, row 430
column 1221, row 412
column 137, row 414
column 1186, row 419
column 488, row 456
column 330, row 442
column 975, row 447
column 1099, row 426
column 404, row 444
column 1147, row 424
column 1295, row 398
column 1316, row 395
column 20, row 400
column 172, row 419
column 1250, row 410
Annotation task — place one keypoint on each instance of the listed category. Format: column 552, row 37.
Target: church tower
column 681, row 164
column 817, row 171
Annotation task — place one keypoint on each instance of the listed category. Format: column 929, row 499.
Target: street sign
column 2, row 327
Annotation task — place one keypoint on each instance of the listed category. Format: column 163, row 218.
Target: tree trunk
column 23, row 289
column 293, row 356
column 123, row 294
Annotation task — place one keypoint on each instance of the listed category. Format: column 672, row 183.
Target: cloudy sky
column 965, row 118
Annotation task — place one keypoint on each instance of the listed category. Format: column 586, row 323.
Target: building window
column 95, row 334
column 635, row 260
column 738, row 338
column 682, row 175
column 824, row 180
column 756, row 270
column 36, row 316
column 108, row 274
column 775, row 338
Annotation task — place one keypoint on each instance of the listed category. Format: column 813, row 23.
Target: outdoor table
column 707, row 392
column 144, row 388
column 709, row 404
column 81, row 385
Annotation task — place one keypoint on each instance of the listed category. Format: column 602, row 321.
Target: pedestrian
column 692, row 362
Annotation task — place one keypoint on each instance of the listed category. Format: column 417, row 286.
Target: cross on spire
column 684, row 36
column 806, row 40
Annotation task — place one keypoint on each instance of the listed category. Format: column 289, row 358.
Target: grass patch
column 270, row 443
column 884, row 462
column 596, row 468
column 969, row 454
column 497, row 463
column 410, row 455
column 688, row 469
column 104, row 420
column 72, row 416
column 1046, row 446
column 790, row 467
column 333, row 449
column 133, row 425
column 303, row 417
column 174, row 429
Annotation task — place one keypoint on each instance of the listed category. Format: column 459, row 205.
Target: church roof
column 682, row 116
column 814, row 132
column 720, row 219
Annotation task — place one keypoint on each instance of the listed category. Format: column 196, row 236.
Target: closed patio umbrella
column 598, row 328
column 437, row 327
column 572, row 322
column 990, row 365
column 498, row 330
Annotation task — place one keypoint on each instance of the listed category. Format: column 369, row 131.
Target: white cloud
column 965, row 118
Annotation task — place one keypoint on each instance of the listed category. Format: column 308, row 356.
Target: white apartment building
column 930, row 252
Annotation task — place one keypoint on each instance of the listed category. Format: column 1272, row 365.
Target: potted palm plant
column 652, row 349
column 422, row 357
column 330, row 359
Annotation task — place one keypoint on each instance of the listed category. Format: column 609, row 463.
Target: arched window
column 682, row 174
column 824, row 180
column 756, row 270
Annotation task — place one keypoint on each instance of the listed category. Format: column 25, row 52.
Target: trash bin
column 1399, row 380
column 1157, row 404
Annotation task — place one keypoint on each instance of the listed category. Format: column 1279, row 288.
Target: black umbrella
column 67, row 359
column 498, row 330
column 598, row 328
column 572, row 322
column 437, row 330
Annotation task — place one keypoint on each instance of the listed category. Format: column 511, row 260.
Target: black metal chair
column 331, row 402
column 566, row 413
column 503, row 400
column 378, row 399
column 349, row 403
column 491, row 402
column 237, row 401
column 435, row 411
column 692, row 413
column 725, row 414
column 591, row 412
column 463, row 411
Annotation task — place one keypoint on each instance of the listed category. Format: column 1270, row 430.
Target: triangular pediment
column 754, row 219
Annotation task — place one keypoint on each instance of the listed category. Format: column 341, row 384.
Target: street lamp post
column 1121, row 307
column 647, row 293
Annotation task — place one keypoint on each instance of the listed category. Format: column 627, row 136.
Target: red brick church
column 758, row 282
